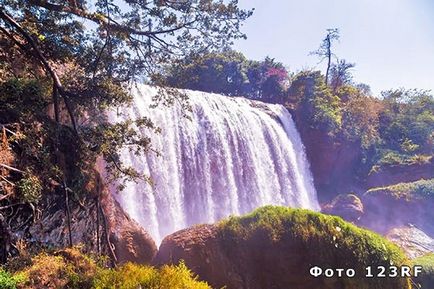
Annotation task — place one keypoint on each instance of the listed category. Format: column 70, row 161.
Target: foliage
column 407, row 123
column 419, row 190
column 71, row 269
column 338, row 240
column 360, row 117
column 86, row 54
column 229, row 73
column 131, row 276
column 426, row 279
column 30, row 188
column 22, row 96
column 315, row 102
column 340, row 74
column 7, row 281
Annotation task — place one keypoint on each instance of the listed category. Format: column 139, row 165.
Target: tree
column 229, row 72
column 340, row 74
column 81, row 57
column 89, row 52
column 219, row 72
column 325, row 49
column 267, row 80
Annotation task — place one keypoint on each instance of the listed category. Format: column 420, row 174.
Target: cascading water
column 230, row 156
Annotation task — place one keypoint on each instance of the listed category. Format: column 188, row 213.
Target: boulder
column 275, row 247
column 349, row 207
column 132, row 243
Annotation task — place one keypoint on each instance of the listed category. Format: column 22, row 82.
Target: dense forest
column 63, row 64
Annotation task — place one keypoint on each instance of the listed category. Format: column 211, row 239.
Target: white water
column 232, row 156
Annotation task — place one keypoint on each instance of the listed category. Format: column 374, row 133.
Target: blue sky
column 391, row 41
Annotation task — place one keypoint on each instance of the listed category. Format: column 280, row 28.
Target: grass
column 419, row 190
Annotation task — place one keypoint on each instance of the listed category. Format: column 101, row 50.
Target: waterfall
column 230, row 156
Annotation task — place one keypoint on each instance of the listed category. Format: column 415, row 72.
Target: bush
column 30, row 188
column 131, row 276
column 7, row 281
column 71, row 269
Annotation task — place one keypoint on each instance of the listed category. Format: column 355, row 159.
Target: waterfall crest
column 232, row 156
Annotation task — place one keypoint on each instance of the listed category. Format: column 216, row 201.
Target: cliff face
column 333, row 164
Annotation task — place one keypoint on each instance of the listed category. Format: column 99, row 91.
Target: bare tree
column 325, row 49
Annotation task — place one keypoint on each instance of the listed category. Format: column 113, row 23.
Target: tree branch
column 58, row 89
column 103, row 19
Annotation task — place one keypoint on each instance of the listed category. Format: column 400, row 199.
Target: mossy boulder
column 275, row 247
column 400, row 204
column 426, row 279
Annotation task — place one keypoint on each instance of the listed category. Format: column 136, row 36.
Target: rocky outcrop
column 333, row 161
column 119, row 236
column 399, row 205
column 412, row 240
column 389, row 175
column 349, row 207
column 275, row 247
column 132, row 243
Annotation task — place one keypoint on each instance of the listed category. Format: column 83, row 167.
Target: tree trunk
column 329, row 59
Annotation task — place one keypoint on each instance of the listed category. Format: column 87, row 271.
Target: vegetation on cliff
column 426, row 279
column 70, row 268
column 414, row 191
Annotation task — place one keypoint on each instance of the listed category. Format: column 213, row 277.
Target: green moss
column 419, row 190
column 426, row 279
column 323, row 240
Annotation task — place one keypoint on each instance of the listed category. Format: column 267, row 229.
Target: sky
column 390, row 41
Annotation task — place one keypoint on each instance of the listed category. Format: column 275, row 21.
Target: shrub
column 131, row 276
column 71, row 269
column 30, row 188
column 8, row 281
